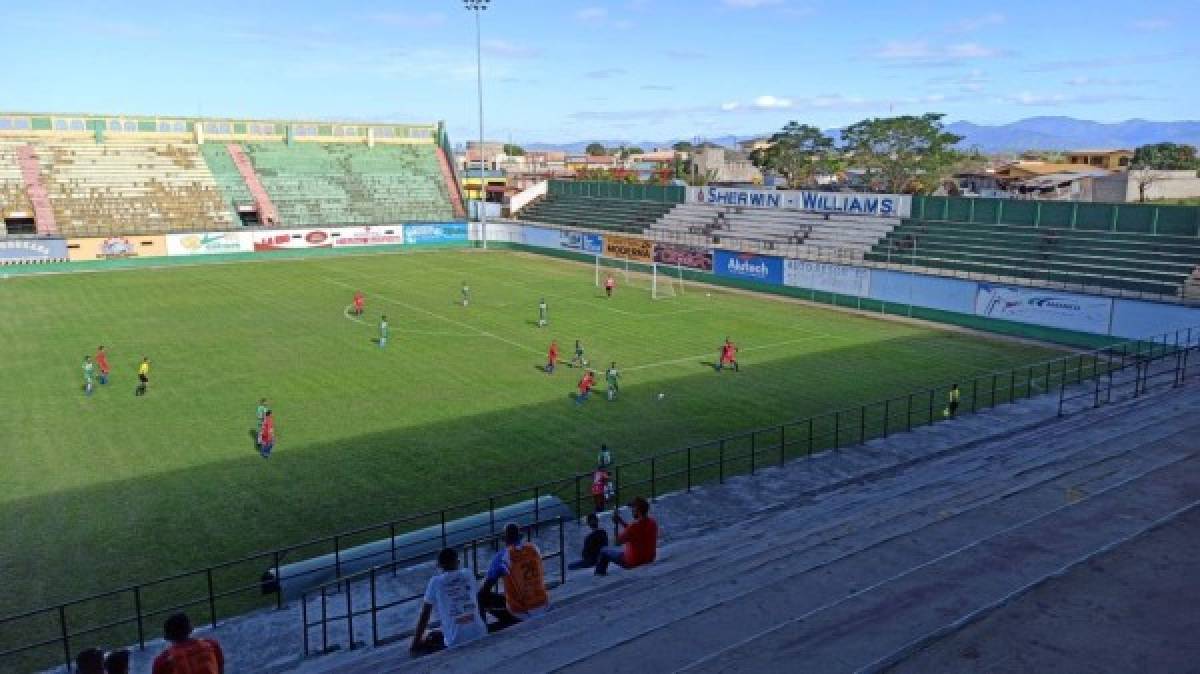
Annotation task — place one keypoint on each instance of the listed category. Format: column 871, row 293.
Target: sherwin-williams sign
column 761, row 268
column 851, row 203
column 32, row 250
column 1083, row 313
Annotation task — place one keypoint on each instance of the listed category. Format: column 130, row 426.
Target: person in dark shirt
column 592, row 545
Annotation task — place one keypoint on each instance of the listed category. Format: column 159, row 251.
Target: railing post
column 1029, row 383
column 1079, row 371
column 304, row 620
column 491, row 514
column 689, row 469
column 578, row 501
column 1062, row 388
column 278, row 582
column 442, row 517
column 993, row 389
column 810, row 436
column 66, row 640
column 1012, row 386
column 337, row 556
column 1096, row 395
column 137, row 607
column 931, row 392
column 653, row 479
column 753, row 451
column 350, row 615
column 324, row 622
column 392, row 543
column 782, row 443
column 974, row 393
column 721, row 462
column 908, row 417
column 887, row 415
column 374, row 612
column 212, row 600
column 837, row 430
column 616, row 487
column 537, row 509
column 562, row 551
column 862, row 425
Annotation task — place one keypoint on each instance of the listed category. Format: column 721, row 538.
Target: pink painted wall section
column 267, row 214
column 451, row 185
column 31, row 174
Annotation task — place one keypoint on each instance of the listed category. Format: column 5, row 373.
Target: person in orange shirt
column 640, row 539
column 520, row 566
column 359, row 303
column 102, row 364
column 186, row 655
column 585, row 387
column 552, row 357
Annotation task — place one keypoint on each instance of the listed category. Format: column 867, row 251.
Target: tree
column 798, row 152
column 1144, row 178
column 595, row 150
column 514, row 150
column 1166, row 157
column 902, row 154
column 682, row 146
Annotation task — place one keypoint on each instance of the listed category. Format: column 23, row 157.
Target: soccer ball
column 708, row 294
column 662, row 395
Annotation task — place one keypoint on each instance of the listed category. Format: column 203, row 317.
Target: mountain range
column 1034, row 133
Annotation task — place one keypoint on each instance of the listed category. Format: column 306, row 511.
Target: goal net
column 661, row 280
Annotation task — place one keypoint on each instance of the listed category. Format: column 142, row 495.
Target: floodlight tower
column 476, row 7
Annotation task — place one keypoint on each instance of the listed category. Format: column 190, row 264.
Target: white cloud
column 1086, row 81
column 731, row 106
column 974, row 23
column 592, row 14
column 772, row 103
column 921, row 52
column 1152, row 24
column 604, row 73
column 1033, row 99
column 410, row 19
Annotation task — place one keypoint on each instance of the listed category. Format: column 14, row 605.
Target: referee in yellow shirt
column 143, row 377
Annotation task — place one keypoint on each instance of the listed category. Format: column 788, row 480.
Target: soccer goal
column 662, row 280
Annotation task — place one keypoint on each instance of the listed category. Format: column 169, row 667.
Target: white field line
column 349, row 316
column 467, row 326
column 710, row 354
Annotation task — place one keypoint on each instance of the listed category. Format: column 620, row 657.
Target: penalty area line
column 773, row 345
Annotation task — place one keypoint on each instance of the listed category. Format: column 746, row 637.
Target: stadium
column 876, row 430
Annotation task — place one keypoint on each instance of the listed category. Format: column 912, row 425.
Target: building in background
column 722, row 165
column 1112, row 160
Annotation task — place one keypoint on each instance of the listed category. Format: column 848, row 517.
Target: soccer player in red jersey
column 359, row 302
column 102, row 364
column 266, row 435
column 585, row 387
column 728, row 356
column 552, row 357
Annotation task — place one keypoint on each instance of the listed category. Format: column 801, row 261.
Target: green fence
column 1127, row 218
column 669, row 194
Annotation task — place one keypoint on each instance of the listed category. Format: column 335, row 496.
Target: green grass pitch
column 101, row 491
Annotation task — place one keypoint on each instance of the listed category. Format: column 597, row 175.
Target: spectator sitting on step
column 640, row 539
column 592, row 545
column 186, row 655
column 117, row 662
column 90, row 661
column 520, row 565
column 452, row 594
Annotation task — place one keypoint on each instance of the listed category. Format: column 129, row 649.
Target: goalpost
column 662, row 280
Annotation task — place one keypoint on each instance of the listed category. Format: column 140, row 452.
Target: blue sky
column 627, row 69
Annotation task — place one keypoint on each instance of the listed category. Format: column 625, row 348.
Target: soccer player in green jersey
column 578, row 360
column 611, row 376
column 89, row 374
column 466, row 293
column 260, row 412
column 383, row 331
column 542, row 319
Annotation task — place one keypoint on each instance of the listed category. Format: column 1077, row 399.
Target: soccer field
column 109, row 489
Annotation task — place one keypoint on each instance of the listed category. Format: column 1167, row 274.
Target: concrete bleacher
column 128, row 188
column 799, row 233
column 858, row 559
column 339, row 183
column 13, row 198
column 1137, row 263
column 616, row 215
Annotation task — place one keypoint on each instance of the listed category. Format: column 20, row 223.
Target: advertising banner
column 291, row 239
column 629, row 248
column 852, row 203
column 1041, row 307
column 380, row 235
column 209, row 243
column 32, row 250
column 542, row 237
column 116, row 247
column 585, row 243
column 685, row 256
column 749, row 267
column 437, row 233
column 831, row 278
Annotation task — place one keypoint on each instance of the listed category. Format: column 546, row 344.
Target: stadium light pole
column 475, row 7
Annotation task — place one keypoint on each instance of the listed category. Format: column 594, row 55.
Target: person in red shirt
column 186, row 655
column 585, row 387
column 359, row 303
column 551, row 357
column 600, row 488
column 609, row 284
column 266, row 435
column 640, row 539
column 728, row 356
column 102, row 363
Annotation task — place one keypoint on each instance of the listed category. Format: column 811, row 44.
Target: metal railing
column 377, row 604
column 121, row 615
